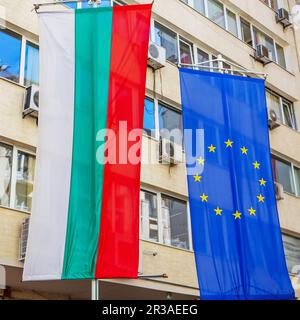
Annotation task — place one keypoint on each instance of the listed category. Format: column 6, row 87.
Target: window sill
column 16, row 210
column 13, row 82
column 166, row 245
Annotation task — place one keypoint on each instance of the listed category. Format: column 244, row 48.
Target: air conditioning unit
column 279, row 191
column 283, row 17
column 23, row 239
column 169, row 152
column 262, row 54
column 156, row 56
column 31, row 105
column 273, row 119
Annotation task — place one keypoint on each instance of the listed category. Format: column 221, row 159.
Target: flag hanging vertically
column 235, row 226
column 85, row 219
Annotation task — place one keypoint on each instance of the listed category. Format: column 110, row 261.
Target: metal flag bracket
column 219, row 65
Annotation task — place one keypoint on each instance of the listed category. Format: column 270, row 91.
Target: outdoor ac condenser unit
column 23, row 239
column 279, row 191
column 283, row 17
column 169, row 152
column 156, row 56
column 31, row 105
column 262, row 54
column 273, row 119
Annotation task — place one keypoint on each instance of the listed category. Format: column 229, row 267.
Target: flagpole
column 95, row 289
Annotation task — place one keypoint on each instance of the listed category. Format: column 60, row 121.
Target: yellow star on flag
column 212, row 148
column 256, row 165
column 218, row 211
column 244, row 150
column 229, row 143
column 204, row 198
column 197, row 178
column 252, row 212
column 237, row 215
column 201, row 161
column 261, row 198
column 262, row 182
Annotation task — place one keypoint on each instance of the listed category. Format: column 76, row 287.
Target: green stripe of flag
column 93, row 32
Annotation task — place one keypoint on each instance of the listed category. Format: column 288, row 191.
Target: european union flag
column 235, row 226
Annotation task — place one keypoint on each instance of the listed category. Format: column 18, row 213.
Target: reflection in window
column 10, row 55
column 168, row 40
column 261, row 38
column 149, row 219
column 273, row 103
column 216, row 12
column 149, row 117
column 280, row 56
column 292, row 253
column 203, row 58
column 170, row 122
column 175, row 223
column 282, row 172
column 5, row 174
column 31, row 64
column 24, row 181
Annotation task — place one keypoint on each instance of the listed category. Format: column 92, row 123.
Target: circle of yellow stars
column 256, row 166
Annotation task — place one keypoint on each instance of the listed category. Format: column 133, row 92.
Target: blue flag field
column 235, row 225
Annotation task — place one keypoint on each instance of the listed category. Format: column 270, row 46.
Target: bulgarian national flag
column 85, row 219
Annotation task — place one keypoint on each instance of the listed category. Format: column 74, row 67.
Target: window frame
column 293, row 175
column 159, row 195
column 13, row 181
column 22, row 62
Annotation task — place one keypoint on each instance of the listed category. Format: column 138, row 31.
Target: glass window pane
column 216, row 12
column 5, row 173
column 10, row 55
column 288, row 114
column 104, row 3
column 292, row 252
column 202, row 58
column 283, row 174
column 31, row 65
column 199, row 6
column 72, row 5
column 231, row 22
column 168, row 40
column 246, row 32
column 175, row 223
column 149, row 223
column 297, row 177
column 24, row 183
column 280, row 56
column 170, row 123
column 273, row 102
column 185, row 52
column 149, row 117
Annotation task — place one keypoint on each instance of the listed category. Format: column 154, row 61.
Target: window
column 202, row 58
column 149, row 117
column 283, row 108
column 16, row 178
column 261, row 38
column 5, row 173
column 175, row 223
column 292, row 253
column 10, row 55
column 186, row 52
column 231, row 23
column 216, row 12
column 85, row 4
column 168, row 40
column 199, row 6
column 31, row 75
column 280, row 56
column 286, row 174
column 24, row 181
column 272, row 4
column 246, row 32
column 164, row 219
column 149, row 216
column 170, row 120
